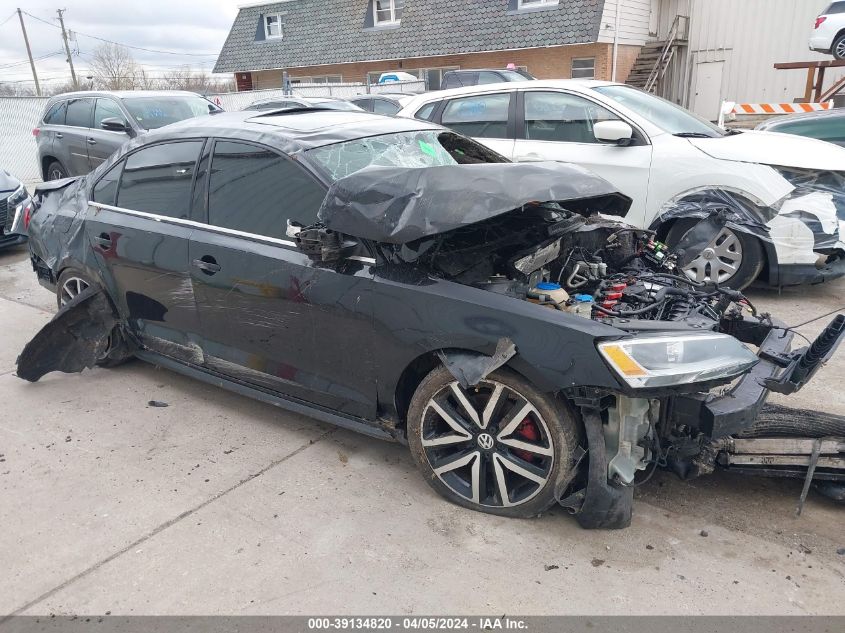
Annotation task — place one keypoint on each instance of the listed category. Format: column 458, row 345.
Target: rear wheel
column 501, row 447
column 838, row 49
column 56, row 171
column 72, row 282
column 732, row 259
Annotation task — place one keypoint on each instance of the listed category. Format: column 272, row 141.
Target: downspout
column 616, row 40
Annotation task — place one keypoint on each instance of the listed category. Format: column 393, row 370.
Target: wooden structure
column 815, row 92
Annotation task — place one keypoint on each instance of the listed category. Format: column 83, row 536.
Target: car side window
column 106, row 109
column 56, row 115
column 486, row 77
column 364, row 104
column 383, row 106
column 106, row 187
column 562, row 117
column 255, row 190
column 481, row 116
column 425, row 112
column 79, row 112
column 158, row 179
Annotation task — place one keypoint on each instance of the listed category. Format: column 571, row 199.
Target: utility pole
column 29, row 54
column 67, row 48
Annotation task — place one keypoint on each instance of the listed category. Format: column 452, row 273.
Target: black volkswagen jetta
column 393, row 277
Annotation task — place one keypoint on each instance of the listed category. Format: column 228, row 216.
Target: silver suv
column 80, row 130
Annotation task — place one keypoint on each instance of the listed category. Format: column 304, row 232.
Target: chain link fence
column 20, row 115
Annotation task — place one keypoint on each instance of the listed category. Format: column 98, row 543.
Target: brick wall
column 543, row 63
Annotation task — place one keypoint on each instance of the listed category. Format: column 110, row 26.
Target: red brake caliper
column 527, row 430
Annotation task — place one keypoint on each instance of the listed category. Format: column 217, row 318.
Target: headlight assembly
column 16, row 198
column 667, row 360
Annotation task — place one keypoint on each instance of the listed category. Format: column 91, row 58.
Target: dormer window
column 530, row 4
column 387, row 11
column 273, row 26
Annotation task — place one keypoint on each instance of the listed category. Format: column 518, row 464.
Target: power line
column 26, row 61
column 9, row 18
column 137, row 48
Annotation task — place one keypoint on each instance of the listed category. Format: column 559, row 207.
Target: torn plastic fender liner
column 470, row 369
column 397, row 205
column 75, row 339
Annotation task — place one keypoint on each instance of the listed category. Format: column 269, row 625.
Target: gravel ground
column 218, row 504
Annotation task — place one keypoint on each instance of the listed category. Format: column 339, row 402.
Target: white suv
column 779, row 198
column 828, row 35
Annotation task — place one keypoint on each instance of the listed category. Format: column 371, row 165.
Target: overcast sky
column 195, row 29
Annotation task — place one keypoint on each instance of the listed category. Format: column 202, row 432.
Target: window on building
column 254, row 190
column 562, row 117
column 327, row 79
column 530, row 4
column 480, row 116
column 80, row 112
column 273, row 26
column 158, row 179
column 387, row 11
column 584, row 68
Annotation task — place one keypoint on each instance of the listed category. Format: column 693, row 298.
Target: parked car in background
column 786, row 194
column 826, row 125
column 395, row 278
column 469, row 77
column 80, row 130
column 15, row 207
column 382, row 103
column 324, row 103
column 828, row 34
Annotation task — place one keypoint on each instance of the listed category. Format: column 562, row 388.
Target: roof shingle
column 333, row 31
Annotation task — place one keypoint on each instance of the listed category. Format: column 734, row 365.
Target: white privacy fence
column 20, row 115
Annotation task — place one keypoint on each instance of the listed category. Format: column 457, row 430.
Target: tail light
column 36, row 131
column 27, row 215
column 820, row 21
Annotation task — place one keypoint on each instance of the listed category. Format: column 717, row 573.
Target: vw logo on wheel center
column 485, row 441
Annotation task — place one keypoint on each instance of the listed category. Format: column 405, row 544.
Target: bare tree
column 13, row 89
column 114, row 67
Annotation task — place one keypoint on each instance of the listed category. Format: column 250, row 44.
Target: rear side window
column 425, row 112
column 106, row 187
column 836, row 7
column 80, row 112
column 255, row 190
column 486, row 77
column 481, row 116
column 56, row 114
column 383, row 106
column 158, row 179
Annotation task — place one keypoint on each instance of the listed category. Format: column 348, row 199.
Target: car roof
column 295, row 98
column 288, row 130
column 800, row 116
column 123, row 94
column 579, row 85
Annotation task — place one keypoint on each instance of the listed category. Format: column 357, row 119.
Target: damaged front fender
column 77, row 338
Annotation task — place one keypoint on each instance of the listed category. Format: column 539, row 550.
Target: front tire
column 501, row 447
column 732, row 259
column 73, row 281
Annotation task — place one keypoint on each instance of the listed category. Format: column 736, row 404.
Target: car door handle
column 207, row 264
column 59, row 135
column 104, row 240
column 91, row 141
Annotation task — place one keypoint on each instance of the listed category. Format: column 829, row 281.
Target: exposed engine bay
column 595, row 267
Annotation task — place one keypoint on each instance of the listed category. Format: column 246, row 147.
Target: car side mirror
column 324, row 245
column 113, row 124
column 616, row 132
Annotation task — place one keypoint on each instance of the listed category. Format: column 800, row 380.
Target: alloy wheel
column 840, row 50
column 718, row 261
column 71, row 287
column 488, row 444
column 55, row 174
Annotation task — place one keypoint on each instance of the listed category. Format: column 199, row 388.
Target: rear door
column 103, row 143
column 271, row 317
column 74, row 141
column 139, row 231
column 488, row 118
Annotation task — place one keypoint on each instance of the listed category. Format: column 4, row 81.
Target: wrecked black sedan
column 395, row 278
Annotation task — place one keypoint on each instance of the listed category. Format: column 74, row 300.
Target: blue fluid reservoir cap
column 584, row 298
column 547, row 285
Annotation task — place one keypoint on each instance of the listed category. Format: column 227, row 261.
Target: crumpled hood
column 397, row 205
column 773, row 148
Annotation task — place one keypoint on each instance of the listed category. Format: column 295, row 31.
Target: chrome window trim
column 193, row 224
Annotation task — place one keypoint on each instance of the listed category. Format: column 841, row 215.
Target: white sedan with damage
column 763, row 205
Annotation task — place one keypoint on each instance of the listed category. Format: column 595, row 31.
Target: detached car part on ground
column 528, row 346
